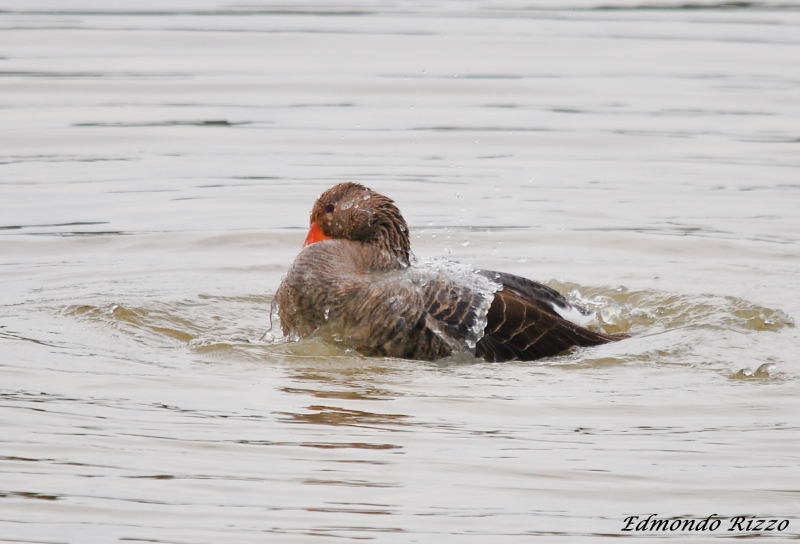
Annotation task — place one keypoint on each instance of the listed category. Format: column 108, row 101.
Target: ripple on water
column 206, row 324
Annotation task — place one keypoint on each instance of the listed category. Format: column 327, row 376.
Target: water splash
column 220, row 326
column 763, row 372
column 622, row 310
column 461, row 278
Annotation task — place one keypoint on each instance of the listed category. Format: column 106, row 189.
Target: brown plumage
column 354, row 283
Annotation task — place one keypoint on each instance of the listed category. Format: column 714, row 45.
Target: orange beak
column 315, row 235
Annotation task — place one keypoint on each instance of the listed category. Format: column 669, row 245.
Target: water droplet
column 458, row 195
column 367, row 196
column 611, row 314
column 327, row 313
column 347, row 205
column 465, row 243
column 522, row 260
column 765, row 370
column 448, row 251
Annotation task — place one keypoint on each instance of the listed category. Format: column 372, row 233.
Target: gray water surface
column 157, row 164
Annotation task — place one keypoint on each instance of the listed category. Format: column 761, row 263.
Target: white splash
column 464, row 277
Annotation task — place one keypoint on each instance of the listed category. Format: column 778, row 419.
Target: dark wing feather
column 452, row 311
column 522, row 324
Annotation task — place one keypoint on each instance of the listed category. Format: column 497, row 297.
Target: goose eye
column 329, row 208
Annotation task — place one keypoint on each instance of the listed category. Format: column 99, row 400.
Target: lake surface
column 158, row 161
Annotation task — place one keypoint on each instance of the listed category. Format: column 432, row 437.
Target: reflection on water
column 157, row 166
column 367, row 394
column 331, row 415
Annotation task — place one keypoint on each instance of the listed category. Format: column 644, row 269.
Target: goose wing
column 525, row 322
